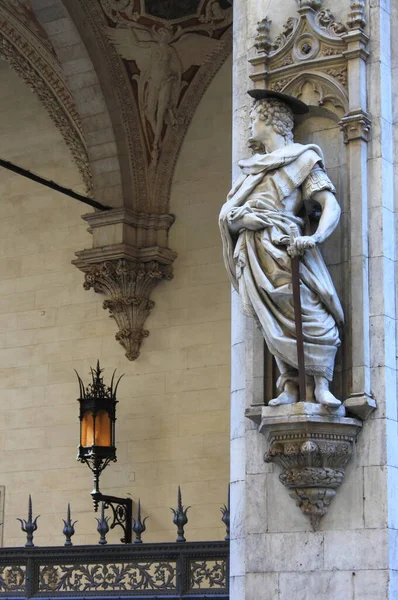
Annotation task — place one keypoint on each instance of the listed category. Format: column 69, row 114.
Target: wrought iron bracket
column 122, row 513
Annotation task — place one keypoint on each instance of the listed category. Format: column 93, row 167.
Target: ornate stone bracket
column 312, row 445
column 127, row 272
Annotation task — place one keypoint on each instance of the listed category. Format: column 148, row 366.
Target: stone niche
column 311, row 59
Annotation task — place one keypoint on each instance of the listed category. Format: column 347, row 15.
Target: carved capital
column 312, row 446
column 356, row 126
column 128, row 286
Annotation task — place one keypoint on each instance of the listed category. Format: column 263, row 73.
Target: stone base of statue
column 312, row 444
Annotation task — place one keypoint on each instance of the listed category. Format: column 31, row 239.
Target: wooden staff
column 295, row 258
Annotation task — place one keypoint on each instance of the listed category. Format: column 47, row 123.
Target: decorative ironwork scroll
column 12, row 579
column 157, row 575
column 189, row 570
column 207, row 574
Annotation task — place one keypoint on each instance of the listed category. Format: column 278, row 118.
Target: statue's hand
column 300, row 244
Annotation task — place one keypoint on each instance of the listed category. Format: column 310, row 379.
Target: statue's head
column 270, row 117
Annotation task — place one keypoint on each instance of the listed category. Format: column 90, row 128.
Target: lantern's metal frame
column 97, row 396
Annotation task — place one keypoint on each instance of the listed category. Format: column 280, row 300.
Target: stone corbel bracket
column 312, row 445
column 127, row 271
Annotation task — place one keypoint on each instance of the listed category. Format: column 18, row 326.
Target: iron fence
column 191, row 570
column 178, row 570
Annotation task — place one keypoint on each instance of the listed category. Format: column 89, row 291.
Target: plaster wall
column 173, row 411
column 275, row 555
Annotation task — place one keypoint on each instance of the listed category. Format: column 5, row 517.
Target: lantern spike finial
column 69, row 527
column 29, row 526
column 180, row 517
column 138, row 525
column 103, row 526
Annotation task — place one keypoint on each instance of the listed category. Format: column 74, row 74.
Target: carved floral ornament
column 33, row 58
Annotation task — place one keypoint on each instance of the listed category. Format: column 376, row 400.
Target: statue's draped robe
column 260, row 268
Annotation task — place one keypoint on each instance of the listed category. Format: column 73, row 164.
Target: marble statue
column 255, row 224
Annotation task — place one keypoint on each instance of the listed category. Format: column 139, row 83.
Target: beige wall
column 173, row 415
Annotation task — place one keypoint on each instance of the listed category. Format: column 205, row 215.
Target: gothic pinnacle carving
column 356, row 16
column 263, row 42
column 128, row 285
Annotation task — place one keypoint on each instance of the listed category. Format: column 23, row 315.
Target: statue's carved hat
column 297, row 106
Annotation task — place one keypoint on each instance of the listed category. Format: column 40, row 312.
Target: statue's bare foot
column 325, row 397
column 286, row 397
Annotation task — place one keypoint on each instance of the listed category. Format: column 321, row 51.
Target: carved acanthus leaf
column 278, row 85
column 330, row 51
column 128, row 286
column 326, row 20
column 339, row 74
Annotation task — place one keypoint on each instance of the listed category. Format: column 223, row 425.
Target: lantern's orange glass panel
column 103, row 429
column 88, row 429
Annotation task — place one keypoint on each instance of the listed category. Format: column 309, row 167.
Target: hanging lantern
column 97, row 446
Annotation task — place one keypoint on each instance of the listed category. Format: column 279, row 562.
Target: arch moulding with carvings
column 39, row 68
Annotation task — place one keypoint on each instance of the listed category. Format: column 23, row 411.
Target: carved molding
column 37, row 65
column 312, row 446
column 129, row 257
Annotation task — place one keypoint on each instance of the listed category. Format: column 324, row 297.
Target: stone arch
column 81, row 74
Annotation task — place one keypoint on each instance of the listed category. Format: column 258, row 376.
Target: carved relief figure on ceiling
column 256, row 226
column 162, row 55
